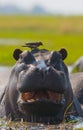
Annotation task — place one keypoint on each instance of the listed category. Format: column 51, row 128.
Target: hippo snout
column 46, row 78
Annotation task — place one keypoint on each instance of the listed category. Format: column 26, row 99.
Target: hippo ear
column 16, row 53
column 63, row 52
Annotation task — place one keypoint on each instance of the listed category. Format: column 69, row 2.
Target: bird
column 33, row 45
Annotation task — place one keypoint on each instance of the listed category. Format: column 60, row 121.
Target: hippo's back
column 77, row 85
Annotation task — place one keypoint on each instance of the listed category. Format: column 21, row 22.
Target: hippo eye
column 27, row 58
column 54, row 58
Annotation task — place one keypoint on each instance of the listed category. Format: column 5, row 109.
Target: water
column 70, row 69
column 4, row 76
column 7, row 125
column 8, row 41
column 13, row 41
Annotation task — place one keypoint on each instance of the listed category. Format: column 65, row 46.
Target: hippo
column 76, row 80
column 39, row 88
column 78, row 65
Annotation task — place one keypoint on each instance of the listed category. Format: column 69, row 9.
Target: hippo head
column 39, row 85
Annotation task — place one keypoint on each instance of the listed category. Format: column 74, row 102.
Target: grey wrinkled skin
column 77, row 85
column 39, row 88
column 78, row 65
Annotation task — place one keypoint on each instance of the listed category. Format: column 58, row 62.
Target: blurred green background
column 54, row 31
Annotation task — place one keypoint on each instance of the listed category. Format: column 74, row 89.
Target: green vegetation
column 54, row 32
column 20, row 125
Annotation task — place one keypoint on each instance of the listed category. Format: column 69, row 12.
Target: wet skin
column 77, row 85
column 39, row 88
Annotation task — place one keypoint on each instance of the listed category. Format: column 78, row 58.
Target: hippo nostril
column 44, row 72
column 37, row 70
column 48, row 69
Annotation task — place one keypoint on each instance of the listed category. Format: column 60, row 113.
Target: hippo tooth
column 35, row 96
column 31, row 100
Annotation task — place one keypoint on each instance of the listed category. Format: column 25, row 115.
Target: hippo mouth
column 43, row 105
column 32, row 97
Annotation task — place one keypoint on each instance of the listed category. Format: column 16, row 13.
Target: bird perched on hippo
column 39, row 88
